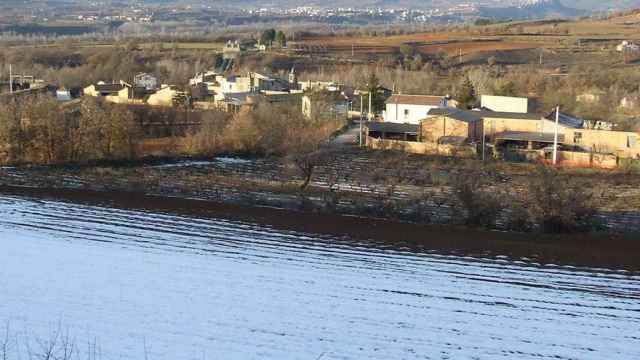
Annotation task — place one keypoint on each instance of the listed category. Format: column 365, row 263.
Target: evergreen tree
column 467, row 95
column 372, row 86
column 267, row 37
column 281, row 38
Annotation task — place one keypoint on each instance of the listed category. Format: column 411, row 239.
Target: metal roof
column 389, row 127
column 462, row 115
column 508, row 115
column 528, row 136
column 567, row 120
column 476, row 115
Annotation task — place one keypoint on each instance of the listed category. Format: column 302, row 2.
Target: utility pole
column 10, row 80
column 361, row 117
column 541, row 56
column 370, row 113
column 555, row 137
column 360, row 133
column 483, row 141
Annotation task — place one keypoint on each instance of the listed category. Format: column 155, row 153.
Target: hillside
column 531, row 9
column 602, row 5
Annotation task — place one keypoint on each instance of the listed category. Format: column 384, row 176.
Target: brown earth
column 426, row 43
column 592, row 250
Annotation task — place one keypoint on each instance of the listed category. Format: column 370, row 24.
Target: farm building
column 620, row 143
column 451, row 126
column 392, row 131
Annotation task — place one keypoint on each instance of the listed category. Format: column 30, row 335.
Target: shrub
column 208, row 139
column 276, row 130
column 559, row 204
column 482, row 206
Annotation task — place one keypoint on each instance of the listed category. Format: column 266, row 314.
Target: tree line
column 40, row 130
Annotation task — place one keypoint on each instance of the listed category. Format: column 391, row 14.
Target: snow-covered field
column 153, row 286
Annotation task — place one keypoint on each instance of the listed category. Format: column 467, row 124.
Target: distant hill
column 491, row 8
column 593, row 5
column 532, row 9
column 602, row 5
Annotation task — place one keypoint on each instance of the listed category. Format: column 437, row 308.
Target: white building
column 410, row 109
column 146, row 81
column 627, row 46
column 505, row 104
column 63, row 95
column 234, row 84
column 319, row 86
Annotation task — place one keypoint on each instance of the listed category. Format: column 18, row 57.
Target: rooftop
column 109, row 87
column 566, row 120
column 528, row 136
column 427, row 100
column 473, row 115
column 507, row 115
column 462, row 115
column 396, row 128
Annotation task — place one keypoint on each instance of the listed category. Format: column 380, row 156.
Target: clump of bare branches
column 560, row 204
column 40, row 130
column 209, row 137
column 306, row 164
column 480, row 203
column 277, row 130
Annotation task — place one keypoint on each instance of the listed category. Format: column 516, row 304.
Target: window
column 577, row 137
column 631, row 141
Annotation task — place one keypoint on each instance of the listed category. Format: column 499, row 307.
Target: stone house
column 620, row 143
column 451, row 126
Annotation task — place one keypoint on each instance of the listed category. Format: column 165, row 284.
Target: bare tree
column 307, row 163
column 560, row 204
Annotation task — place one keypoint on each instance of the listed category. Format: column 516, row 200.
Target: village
column 501, row 127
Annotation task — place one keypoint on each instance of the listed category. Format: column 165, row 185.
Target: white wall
column 505, row 104
column 396, row 113
column 238, row 86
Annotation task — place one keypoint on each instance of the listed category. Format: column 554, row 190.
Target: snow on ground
column 186, row 288
column 222, row 160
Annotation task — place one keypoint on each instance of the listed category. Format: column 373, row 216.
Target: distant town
column 15, row 16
